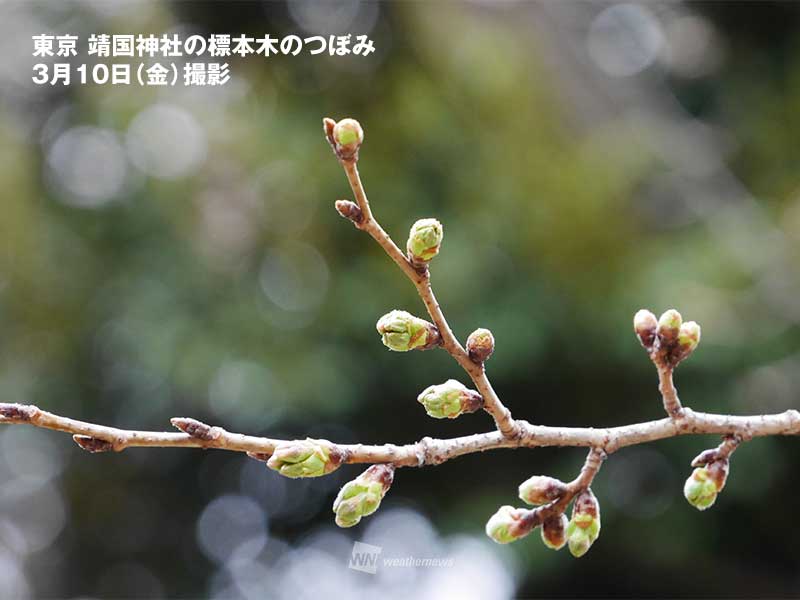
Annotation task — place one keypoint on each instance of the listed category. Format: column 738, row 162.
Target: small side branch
column 422, row 281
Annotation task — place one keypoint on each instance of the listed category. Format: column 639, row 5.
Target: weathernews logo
column 366, row 558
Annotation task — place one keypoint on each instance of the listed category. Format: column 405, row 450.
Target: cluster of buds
column 449, row 400
column 480, row 345
column 362, row 496
column 668, row 339
column 551, row 496
column 345, row 137
column 584, row 527
column 710, row 474
column 305, row 458
column 401, row 331
column 424, row 241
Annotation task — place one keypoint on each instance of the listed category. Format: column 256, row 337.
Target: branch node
column 794, row 419
column 431, row 452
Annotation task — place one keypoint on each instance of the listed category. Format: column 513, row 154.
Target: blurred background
column 175, row 251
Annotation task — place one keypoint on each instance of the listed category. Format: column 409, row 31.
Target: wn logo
column 364, row 557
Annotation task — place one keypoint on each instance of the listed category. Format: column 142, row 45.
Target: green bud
column 305, row 458
column 687, row 340
column 449, row 400
column 700, row 489
column 424, row 240
column 541, row 489
column 645, row 325
column 502, row 526
column 669, row 325
column 584, row 527
column 347, row 137
column 689, row 336
column 578, row 540
column 554, row 531
column 362, row 496
column 480, row 345
column 401, row 331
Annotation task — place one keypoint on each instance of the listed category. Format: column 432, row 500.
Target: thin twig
column 669, row 394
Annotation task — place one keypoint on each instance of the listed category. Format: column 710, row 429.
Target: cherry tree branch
column 428, row 451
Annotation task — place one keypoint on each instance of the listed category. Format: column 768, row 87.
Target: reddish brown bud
column 18, row 412
column 327, row 127
column 645, row 325
column 480, row 345
column 554, row 531
column 586, row 504
column 92, row 444
column 349, row 210
column 197, row 429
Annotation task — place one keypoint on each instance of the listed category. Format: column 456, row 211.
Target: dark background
column 175, row 252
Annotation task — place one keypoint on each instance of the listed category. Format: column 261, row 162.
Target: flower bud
column 480, row 345
column 701, row 489
column 541, row 489
column 305, row 458
column 554, row 531
column 401, row 331
column 362, row 496
column 449, row 399
column 687, row 341
column 503, row 526
column 645, row 324
column 688, row 338
column 584, row 527
column 424, row 240
column 669, row 325
column 347, row 138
